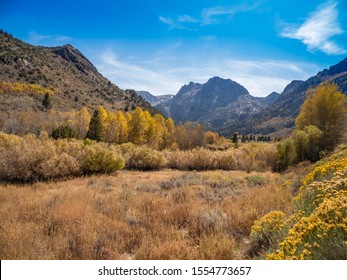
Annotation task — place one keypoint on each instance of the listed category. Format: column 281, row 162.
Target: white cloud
column 131, row 76
column 208, row 16
column 36, row 38
column 212, row 15
column 318, row 30
column 162, row 76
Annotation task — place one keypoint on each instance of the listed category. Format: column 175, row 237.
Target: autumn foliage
column 318, row 228
column 9, row 87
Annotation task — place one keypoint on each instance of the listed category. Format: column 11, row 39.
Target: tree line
column 138, row 127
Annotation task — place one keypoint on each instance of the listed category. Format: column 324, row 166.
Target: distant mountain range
column 64, row 68
column 217, row 103
column 279, row 118
column 227, row 107
column 154, row 99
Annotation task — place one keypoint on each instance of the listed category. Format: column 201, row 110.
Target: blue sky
column 158, row 46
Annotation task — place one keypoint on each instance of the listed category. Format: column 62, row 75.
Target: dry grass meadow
column 166, row 214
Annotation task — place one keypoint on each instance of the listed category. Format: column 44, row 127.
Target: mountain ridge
column 214, row 103
column 153, row 99
column 65, row 68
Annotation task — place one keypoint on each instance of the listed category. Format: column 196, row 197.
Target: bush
column 256, row 180
column 144, row 158
column 267, row 231
column 201, row 159
column 286, row 155
column 100, row 158
column 30, row 159
column 321, row 236
column 318, row 228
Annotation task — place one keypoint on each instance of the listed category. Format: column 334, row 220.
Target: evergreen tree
column 47, row 102
column 64, row 131
column 235, row 140
column 95, row 127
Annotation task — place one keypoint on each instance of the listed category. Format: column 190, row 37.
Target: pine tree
column 47, row 102
column 64, row 131
column 235, row 140
column 95, row 130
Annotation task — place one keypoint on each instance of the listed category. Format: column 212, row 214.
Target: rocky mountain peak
column 73, row 55
column 292, row 85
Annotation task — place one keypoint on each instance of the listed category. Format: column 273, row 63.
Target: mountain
column 66, row 70
column 217, row 103
column 152, row 99
column 279, row 118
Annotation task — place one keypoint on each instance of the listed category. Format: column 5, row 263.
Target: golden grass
column 137, row 215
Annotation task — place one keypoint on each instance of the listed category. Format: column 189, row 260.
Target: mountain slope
column 65, row 69
column 154, row 100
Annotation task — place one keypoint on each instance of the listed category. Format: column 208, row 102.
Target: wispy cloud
column 208, row 16
column 318, row 30
column 260, row 77
column 139, row 77
column 214, row 14
column 36, row 38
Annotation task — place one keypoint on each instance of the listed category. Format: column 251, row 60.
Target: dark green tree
column 95, row 127
column 64, row 131
column 47, row 101
column 235, row 138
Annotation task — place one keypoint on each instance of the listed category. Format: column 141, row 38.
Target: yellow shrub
column 268, row 230
column 322, row 235
column 30, row 159
column 8, row 87
column 325, row 171
column 144, row 158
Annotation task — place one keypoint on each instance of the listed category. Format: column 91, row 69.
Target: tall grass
column 135, row 216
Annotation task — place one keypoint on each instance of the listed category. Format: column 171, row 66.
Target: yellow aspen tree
column 122, row 128
column 104, row 124
column 158, row 129
column 169, row 133
column 138, row 126
column 82, row 122
column 111, row 127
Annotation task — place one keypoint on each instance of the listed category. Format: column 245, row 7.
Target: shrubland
column 31, row 158
column 138, row 215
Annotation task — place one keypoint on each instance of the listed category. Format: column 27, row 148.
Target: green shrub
column 101, row 158
column 256, row 180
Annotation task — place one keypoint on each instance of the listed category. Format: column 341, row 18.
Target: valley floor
column 139, row 215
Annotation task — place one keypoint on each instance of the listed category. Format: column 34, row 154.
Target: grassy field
column 166, row 214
